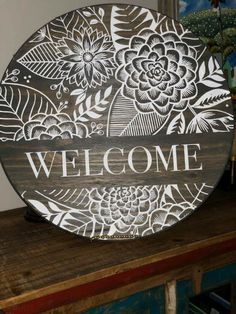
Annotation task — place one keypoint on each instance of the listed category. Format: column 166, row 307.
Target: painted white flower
column 158, row 72
column 87, row 58
column 52, row 126
column 122, row 208
column 168, row 215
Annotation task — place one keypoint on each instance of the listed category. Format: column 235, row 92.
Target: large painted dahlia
column 158, row 72
column 123, row 208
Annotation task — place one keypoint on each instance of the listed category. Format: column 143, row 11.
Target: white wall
column 19, row 19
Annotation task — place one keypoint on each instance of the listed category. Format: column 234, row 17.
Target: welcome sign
column 115, row 122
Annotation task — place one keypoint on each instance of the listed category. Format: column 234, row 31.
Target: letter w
column 41, row 157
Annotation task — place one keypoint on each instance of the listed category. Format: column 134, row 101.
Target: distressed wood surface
column 186, row 272
column 110, row 117
column 170, row 297
column 39, row 260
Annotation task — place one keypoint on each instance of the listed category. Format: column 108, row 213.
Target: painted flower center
column 123, row 193
column 87, row 56
column 156, row 72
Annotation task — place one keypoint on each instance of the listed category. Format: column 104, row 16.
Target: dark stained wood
column 30, row 183
column 233, row 297
column 130, row 113
column 39, row 260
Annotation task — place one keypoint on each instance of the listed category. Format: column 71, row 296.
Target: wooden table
column 44, row 269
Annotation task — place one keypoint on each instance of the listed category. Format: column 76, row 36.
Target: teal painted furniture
column 152, row 301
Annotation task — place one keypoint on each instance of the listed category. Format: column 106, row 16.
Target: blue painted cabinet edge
column 151, row 301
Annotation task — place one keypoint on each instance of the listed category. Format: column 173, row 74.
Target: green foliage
column 223, row 42
column 205, row 23
column 230, row 33
column 233, row 90
column 208, row 41
column 228, row 50
column 215, row 49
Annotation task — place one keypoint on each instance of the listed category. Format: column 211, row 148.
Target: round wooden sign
column 115, row 122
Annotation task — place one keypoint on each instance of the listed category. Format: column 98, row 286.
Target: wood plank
column 186, row 272
column 39, row 259
column 170, row 297
column 68, row 295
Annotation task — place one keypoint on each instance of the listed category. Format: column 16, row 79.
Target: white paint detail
column 163, row 208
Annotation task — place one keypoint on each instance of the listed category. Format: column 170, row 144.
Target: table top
column 39, row 259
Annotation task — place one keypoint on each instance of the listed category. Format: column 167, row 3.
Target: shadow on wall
column 169, row 8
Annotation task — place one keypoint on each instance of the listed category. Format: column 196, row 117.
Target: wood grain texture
column 41, row 260
column 184, row 274
column 110, row 117
column 170, row 297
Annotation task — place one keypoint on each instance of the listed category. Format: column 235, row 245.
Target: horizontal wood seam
column 142, row 285
column 228, row 245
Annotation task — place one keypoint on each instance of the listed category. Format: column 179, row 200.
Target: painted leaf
column 193, row 41
column 218, row 78
column 81, row 95
column 18, row 104
column 212, row 98
column 93, row 114
column 70, row 228
column 98, row 97
column 124, row 120
column 211, row 83
column 211, row 75
column 198, row 125
column 128, row 21
column 42, row 60
column 83, row 225
column 177, row 125
column 101, row 12
column 76, row 198
column 165, row 24
column 220, row 121
column 93, row 107
column 94, row 22
column 88, row 102
column 40, row 35
column 202, row 71
column 211, row 65
column 211, row 120
column 40, row 207
column 77, row 92
column 167, row 195
column 54, row 214
column 107, row 92
column 64, row 25
column 198, row 191
column 171, row 195
column 54, row 207
column 87, row 13
column 58, row 218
